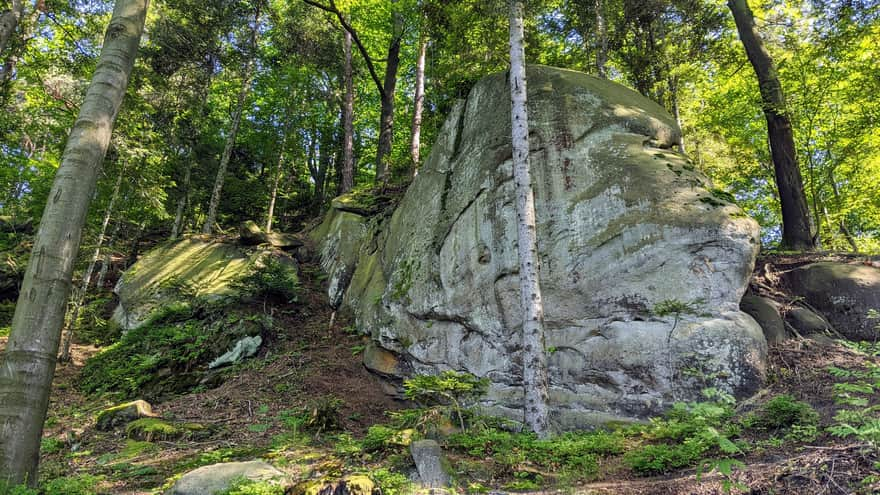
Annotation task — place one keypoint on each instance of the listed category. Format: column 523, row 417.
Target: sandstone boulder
column 843, row 292
column 219, row 478
column 626, row 226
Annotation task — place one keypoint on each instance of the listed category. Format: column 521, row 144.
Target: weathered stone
column 843, row 293
column 285, row 242
column 766, row 313
column 806, row 322
column 625, row 224
column 428, row 458
column 218, row 478
column 244, row 348
column 176, row 271
column 250, row 234
column 123, row 414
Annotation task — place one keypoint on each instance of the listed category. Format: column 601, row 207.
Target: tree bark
column 87, row 277
column 211, row 218
column 9, row 22
column 276, row 181
column 105, row 263
column 676, row 111
column 416, row 141
column 347, row 119
column 535, row 379
column 796, row 231
column 602, row 40
column 386, row 118
column 177, row 228
column 29, row 359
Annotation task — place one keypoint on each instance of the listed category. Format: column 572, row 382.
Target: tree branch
column 357, row 41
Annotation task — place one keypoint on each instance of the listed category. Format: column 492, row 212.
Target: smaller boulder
column 766, row 313
column 243, row 349
column 218, row 478
column 123, row 414
column 806, row 322
column 285, row 242
column 250, row 233
column 428, row 458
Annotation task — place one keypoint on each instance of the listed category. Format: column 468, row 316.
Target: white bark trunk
column 87, row 277
column 211, row 218
column 8, row 22
column 29, row 360
column 348, row 120
column 416, row 142
column 278, row 172
column 535, row 381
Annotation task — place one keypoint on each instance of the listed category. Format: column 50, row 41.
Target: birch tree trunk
column 347, row 119
column 87, row 277
column 29, row 360
column 277, row 180
column 602, row 38
column 796, row 231
column 9, row 20
column 416, row 141
column 535, row 381
column 211, row 218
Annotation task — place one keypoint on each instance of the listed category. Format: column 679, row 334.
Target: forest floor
column 313, row 368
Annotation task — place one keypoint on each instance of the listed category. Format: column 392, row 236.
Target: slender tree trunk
column 416, row 142
column 105, row 263
column 275, row 182
column 177, row 228
column 211, row 218
column 535, row 379
column 796, row 232
column 602, row 40
column 676, row 111
column 9, row 22
column 386, row 119
column 839, row 204
column 87, row 277
column 29, row 360
column 347, row 182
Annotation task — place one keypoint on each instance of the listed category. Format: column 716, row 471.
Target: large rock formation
column 643, row 262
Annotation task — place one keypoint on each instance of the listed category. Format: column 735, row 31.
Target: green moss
column 403, row 281
column 150, row 429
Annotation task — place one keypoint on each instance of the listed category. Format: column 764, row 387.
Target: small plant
column 244, row 486
column 270, row 278
column 449, row 387
column 674, row 307
column 783, row 411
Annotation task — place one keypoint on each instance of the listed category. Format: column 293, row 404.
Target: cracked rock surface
column 643, row 262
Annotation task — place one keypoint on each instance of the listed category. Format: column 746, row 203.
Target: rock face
column 627, row 229
column 175, row 271
column 218, row 478
column 842, row 292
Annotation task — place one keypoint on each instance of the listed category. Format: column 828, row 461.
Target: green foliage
column 6, row 489
column 83, row 484
column 783, row 411
column 390, row 482
column 669, row 307
column 270, row 278
column 161, row 357
column 250, row 487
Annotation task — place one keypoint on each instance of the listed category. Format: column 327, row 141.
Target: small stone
column 250, row 233
column 218, row 478
column 243, row 349
column 806, row 322
column 765, row 312
column 123, row 414
column 429, row 461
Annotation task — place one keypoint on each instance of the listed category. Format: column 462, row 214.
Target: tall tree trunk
column 9, row 22
column 105, row 263
column 177, row 228
column 347, row 182
column 416, row 142
column 602, row 40
column 676, row 111
column 847, row 234
column 243, row 93
column 29, row 360
column 796, row 232
column 535, row 379
column 386, row 118
column 87, row 277
column 275, row 182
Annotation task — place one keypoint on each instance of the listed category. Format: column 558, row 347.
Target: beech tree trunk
column 9, row 20
column 177, row 228
column 796, row 231
column 211, row 218
column 87, row 277
column 347, row 182
column 535, row 378
column 105, row 263
column 416, row 141
column 29, row 360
